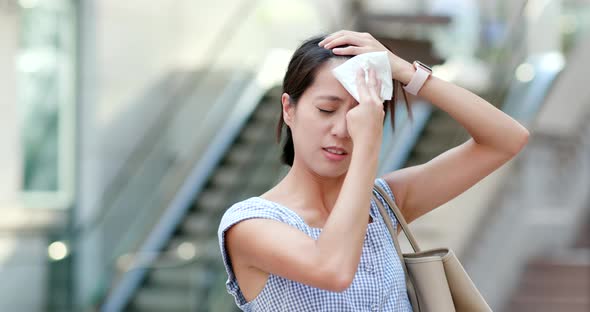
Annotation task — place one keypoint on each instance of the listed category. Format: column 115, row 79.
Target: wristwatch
column 419, row 78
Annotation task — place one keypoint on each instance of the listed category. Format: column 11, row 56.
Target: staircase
column 189, row 275
column 557, row 282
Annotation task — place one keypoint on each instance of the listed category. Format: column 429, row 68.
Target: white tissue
column 346, row 73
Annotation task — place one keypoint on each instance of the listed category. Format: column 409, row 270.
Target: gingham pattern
column 379, row 283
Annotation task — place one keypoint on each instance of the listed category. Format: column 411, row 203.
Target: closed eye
column 325, row 111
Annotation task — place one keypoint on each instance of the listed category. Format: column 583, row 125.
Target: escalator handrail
column 181, row 203
column 510, row 46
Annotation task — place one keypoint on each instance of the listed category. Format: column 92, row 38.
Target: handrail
column 193, row 185
column 510, row 48
column 200, row 171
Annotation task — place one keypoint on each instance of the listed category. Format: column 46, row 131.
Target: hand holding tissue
column 346, row 73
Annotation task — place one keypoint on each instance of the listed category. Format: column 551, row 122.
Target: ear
column 288, row 109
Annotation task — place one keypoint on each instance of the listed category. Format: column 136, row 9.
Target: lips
column 338, row 151
column 335, row 153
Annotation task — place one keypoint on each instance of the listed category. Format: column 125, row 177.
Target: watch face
column 426, row 67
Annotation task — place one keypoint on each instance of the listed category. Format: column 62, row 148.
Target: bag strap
column 398, row 215
column 409, row 283
column 390, row 228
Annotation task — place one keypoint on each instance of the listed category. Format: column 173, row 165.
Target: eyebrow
column 329, row 98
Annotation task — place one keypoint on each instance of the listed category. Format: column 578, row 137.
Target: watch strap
column 418, row 80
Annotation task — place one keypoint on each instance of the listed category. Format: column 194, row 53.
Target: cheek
column 310, row 135
column 313, row 124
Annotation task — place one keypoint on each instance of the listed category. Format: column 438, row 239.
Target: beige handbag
column 435, row 279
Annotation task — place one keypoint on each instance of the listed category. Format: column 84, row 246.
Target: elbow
column 338, row 280
column 521, row 142
column 333, row 272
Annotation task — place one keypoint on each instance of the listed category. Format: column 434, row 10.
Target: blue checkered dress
column 379, row 283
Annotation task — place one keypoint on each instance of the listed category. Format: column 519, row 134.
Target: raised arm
column 496, row 137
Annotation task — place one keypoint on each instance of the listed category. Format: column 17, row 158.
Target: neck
column 310, row 190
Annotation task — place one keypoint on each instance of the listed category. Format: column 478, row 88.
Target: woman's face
column 318, row 124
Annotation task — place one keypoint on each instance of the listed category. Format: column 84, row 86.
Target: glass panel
column 45, row 67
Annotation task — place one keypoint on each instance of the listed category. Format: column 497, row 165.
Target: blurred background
column 128, row 127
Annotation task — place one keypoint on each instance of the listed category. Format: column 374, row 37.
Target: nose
column 339, row 128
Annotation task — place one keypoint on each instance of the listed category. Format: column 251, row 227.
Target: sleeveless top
column 379, row 283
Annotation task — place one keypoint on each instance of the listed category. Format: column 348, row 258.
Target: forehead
column 326, row 84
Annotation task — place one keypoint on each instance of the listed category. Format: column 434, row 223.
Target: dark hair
column 300, row 75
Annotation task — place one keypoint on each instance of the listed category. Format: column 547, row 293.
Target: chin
column 331, row 171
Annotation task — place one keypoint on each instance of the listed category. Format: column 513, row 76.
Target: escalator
column 558, row 281
column 250, row 167
column 440, row 133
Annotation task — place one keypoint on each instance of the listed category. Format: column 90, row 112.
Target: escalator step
column 429, row 151
column 442, row 122
column 159, row 299
column 206, row 248
column 195, row 277
column 269, row 112
column 227, row 177
column 198, row 225
column 257, row 133
column 183, row 284
column 213, row 201
column 241, row 153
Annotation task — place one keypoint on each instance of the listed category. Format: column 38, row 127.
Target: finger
column 375, row 86
column 372, row 77
column 331, row 37
column 337, row 34
column 353, row 40
column 379, row 83
column 361, row 85
column 352, row 50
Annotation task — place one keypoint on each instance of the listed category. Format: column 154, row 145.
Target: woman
column 315, row 242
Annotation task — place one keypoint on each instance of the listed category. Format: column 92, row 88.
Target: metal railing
column 190, row 187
